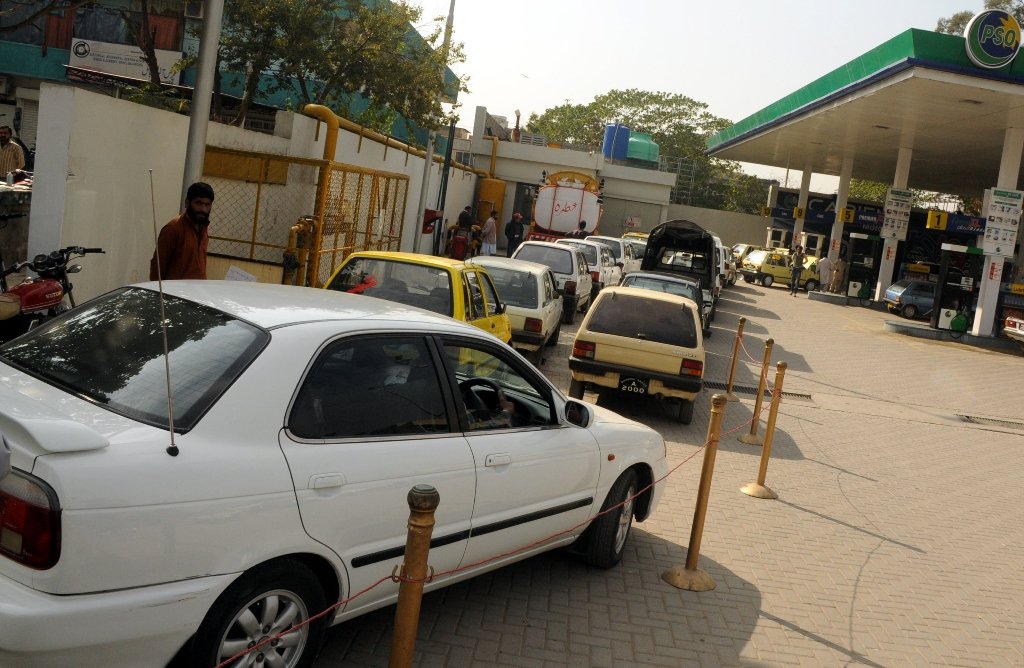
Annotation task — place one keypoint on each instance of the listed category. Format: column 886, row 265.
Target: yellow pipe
column 324, row 114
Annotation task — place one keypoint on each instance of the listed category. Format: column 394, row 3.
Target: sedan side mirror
column 577, row 413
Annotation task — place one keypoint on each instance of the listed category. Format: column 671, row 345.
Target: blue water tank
column 616, row 141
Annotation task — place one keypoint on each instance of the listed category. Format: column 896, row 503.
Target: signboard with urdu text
column 897, row 214
column 1002, row 221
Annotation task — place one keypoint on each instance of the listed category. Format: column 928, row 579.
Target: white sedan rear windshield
column 647, row 319
column 111, row 351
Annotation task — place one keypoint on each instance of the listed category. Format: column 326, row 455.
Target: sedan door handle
column 500, row 459
column 325, row 480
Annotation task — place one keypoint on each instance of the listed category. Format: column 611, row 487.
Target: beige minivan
column 643, row 343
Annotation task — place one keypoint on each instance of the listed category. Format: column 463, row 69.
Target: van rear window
column 675, row 259
column 647, row 319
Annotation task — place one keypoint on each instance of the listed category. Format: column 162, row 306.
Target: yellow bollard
column 735, row 357
column 689, row 576
column 758, row 489
column 423, row 500
column 752, row 438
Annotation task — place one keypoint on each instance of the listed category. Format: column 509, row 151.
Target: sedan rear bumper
column 134, row 627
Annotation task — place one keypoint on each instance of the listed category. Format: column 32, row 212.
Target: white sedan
column 532, row 302
column 301, row 420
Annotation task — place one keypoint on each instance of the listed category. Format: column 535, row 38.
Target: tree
column 331, row 51
column 957, row 23
column 678, row 124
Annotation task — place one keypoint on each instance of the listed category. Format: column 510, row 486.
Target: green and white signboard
column 992, row 39
column 897, row 214
column 1002, row 221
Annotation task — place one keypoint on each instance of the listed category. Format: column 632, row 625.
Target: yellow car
column 439, row 284
column 768, row 266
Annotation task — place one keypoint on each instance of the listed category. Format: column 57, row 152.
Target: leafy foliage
column 331, row 52
column 955, row 24
column 678, row 124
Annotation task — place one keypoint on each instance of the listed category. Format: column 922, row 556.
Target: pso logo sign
column 993, row 38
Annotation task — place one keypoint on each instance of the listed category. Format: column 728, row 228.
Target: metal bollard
column 735, row 357
column 758, row 489
column 690, row 577
column 752, row 438
column 423, row 501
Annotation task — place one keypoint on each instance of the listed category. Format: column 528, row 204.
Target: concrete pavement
column 897, row 538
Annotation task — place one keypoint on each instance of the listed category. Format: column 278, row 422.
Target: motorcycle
column 36, row 300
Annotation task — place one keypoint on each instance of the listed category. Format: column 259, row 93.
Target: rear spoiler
column 27, row 423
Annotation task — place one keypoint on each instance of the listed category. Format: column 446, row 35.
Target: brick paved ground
column 897, row 538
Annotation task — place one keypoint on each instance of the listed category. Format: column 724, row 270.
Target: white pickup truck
column 1014, row 329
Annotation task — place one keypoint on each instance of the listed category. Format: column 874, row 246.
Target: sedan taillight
column 584, row 349
column 29, row 521
column 534, row 325
column 691, row 368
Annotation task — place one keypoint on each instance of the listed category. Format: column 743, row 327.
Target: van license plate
column 633, row 385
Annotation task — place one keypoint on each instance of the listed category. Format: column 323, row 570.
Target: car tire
column 685, row 415
column 811, row 285
column 909, row 311
column 748, row 279
column 576, row 389
column 553, row 339
column 608, row 532
column 296, row 595
column 767, row 281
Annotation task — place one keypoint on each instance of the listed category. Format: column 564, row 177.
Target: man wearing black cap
column 181, row 247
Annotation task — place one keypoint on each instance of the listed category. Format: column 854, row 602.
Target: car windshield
column 755, row 258
column 613, row 245
column 589, row 251
column 407, row 283
column 688, row 290
column 674, row 259
column 516, row 288
column 560, row 261
column 900, row 286
column 111, row 351
column 647, row 319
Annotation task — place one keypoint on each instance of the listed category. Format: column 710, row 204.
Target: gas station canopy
column 919, row 90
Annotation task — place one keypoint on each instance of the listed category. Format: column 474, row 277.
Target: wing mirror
column 577, row 413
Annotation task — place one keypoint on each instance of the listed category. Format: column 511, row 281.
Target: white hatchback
column 301, row 420
column 623, row 252
column 532, row 302
column 603, row 268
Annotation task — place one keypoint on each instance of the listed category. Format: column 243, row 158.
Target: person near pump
column 12, row 158
column 514, row 230
column 489, row 235
column 796, row 268
column 824, row 272
column 460, row 245
column 836, row 284
column 580, row 232
column 181, row 246
column 465, row 220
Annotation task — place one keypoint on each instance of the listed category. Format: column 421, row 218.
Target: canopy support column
column 842, row 199
column 798, row 221
column 888, row 263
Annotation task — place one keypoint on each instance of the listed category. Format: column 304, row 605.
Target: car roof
column 642, row 293
column 545, row 244
column 268, row 305
column 511, row 264
column 418, row 258
column 668, row 278
column 586, row 242
column 601, row 236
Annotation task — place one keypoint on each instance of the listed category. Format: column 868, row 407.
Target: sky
column 736, row 57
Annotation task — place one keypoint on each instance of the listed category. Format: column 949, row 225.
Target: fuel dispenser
column 957, row 289
column 863, row 252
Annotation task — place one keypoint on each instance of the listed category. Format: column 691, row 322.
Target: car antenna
column 172, row 449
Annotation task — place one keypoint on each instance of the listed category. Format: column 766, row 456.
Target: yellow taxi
column 439, row 284
column 768, row 266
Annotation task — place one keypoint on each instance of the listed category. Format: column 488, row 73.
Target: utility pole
column 202, row 94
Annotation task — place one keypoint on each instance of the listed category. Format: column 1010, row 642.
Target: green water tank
column 642, row 147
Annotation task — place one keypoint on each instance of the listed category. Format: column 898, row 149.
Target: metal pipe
column 735, row 357
column 423, row 501
column 752, row 438
column 202, row 94
column 494, row 155
column 332, row 121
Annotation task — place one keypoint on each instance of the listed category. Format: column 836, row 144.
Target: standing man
column 466, row 219
column 12, row 157
column 797, row 268
column 824, row 273
column 836, row 285
column 489, row 235
column 181, row 247
column 580, row 232
column 514, row 233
